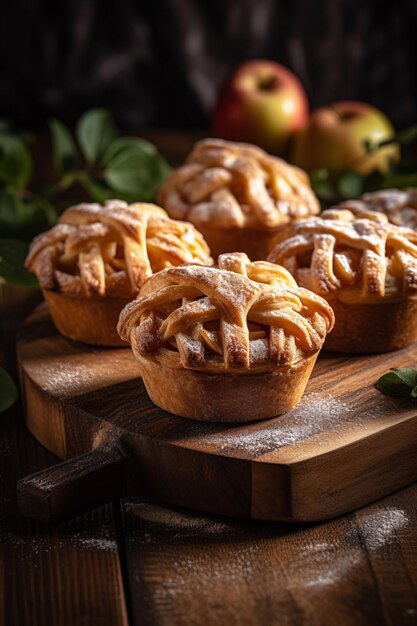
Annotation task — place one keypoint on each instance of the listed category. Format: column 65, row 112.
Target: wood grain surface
column 356, row 570
column 343, row 446
column 65, row 576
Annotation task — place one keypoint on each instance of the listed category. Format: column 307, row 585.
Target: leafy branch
column 331, row 189
column 95, row 164
column 128, row 167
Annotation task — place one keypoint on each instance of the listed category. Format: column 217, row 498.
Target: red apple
column 262, row 103
column 335, row 135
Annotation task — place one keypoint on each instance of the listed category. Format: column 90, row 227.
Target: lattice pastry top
column 341, row 255
column 234, row 317
column 112, row 249
column 400, row 206
column 234, row 185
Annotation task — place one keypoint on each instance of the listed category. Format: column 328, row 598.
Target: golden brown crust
column 110, row 250
column 218, row 398
column 356, row 259
column 254, row 242
column 366, row 328
column 236, row 317
column 90, row 320
column 397, row 205
column 229, row 185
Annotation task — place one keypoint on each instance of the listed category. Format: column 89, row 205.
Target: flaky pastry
column 112, row 249
column 101, row 255
column 366, row 268
column 228, row 190
column 399, row 206
column 196, row 327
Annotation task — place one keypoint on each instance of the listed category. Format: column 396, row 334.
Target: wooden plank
column 343, row 446
column 358, row 570
column 61, row 576
column 65, row 575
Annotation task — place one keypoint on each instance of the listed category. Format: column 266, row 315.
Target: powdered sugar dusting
column 72, row 374
column 322, row 564
column 313, row 561
column 239, row 569
column 381, row 527
column 317, row 415
column 63, row 379
column 51, row 542
column 99, row 544
column 230, row 287
column 259, row 351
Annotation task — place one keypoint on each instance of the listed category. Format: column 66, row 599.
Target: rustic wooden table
column 138, row 563
column 135, row 562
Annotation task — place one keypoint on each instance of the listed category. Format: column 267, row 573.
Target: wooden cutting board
column 343, row 446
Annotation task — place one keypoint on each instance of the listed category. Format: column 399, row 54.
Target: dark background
column 160, row 63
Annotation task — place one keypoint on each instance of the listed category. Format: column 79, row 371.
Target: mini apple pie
column 237, row 195
column 400, row 206
column 96, row 258
column 232, row 343
column 365, row 268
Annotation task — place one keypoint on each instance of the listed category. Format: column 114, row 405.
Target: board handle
column 74, row 486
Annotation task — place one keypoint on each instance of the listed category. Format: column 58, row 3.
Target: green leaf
column 24, row 218
column 401, row 381
column 8, row 390
column 134, row 174
column 322, row 185
column 123, row 144
column 400, row 181
column 390, row 385
column 13, row 254
column 15, row 161
column 9, row 212
column 95, row 189
column 407, row 136
column 95, row 132
column 44, row 207
column 406, row 375
column 63, row 147
column 350, row 185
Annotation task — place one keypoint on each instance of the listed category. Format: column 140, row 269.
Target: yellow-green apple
column 335, row 137
column 262, row 103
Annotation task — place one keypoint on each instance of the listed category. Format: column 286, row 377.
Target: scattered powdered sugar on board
column 73, row 374
column 322, row 565
column 316, row 415
column 51, row 542
column 63, row 379
column 214, row 572
column 188, row 546
column 312, row 566
column 98, row 544
column 267, row 564
column 381, row 527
